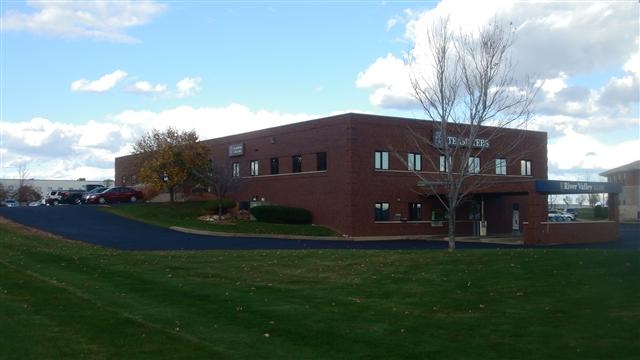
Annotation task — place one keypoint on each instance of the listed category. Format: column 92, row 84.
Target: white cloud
column 57, row 150
column 104, row 83
column 188, row 87
column 391, row 23
column 574, row 154
column 633, row 64
column 100, row 20
column 550, row 87
column 145, row 87
column 557, row 40
column 389, row 77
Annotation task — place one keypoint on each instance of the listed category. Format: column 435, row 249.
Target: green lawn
column 61, row 299
column 186, row 215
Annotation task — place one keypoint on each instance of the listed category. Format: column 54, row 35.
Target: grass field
column 186, row 215
column 61, row 299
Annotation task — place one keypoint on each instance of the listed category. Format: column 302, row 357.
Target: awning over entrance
column 576, row 187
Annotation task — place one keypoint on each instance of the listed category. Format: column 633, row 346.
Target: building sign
column 455, row 141
column 576, row 187
column 236, row 150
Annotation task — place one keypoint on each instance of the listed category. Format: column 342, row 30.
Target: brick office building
column 628, row 176
column 355, row 173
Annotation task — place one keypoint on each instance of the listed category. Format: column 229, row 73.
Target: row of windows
column 274, row 165
column 382, row 212
column 414, row 163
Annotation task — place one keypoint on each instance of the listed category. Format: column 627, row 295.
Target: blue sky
column 80, row 81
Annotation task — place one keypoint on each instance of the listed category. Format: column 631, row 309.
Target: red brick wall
column 550, row 233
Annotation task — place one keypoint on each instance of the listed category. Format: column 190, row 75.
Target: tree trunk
column 172, row 194
column 452, row 230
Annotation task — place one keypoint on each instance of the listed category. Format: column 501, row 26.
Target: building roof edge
column 624, row 168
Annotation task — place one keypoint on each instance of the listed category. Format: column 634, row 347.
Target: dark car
column 65, row 197
column 115, row 195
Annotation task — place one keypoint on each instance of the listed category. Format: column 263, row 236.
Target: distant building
column 46, row 186
column 629, row 200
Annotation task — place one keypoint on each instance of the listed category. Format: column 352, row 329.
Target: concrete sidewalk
column 491, row 239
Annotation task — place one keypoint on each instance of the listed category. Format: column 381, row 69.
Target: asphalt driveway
column 92, row 225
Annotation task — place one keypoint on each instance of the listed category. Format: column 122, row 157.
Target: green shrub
column 212, row 205
column 281, row 214
column 600, row 212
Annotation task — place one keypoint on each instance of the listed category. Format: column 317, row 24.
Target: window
column 415, row 211
column 275, row 166
column 474, row 164
column 382, row 211
column 443, row 163
column 381, row 161
column 296, row 163
column 525, row 167
column 254, row 168
column 414, row 162
column 321, row 159
column 501, row 167
column 235, row 169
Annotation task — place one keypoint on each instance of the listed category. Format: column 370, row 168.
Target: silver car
column 10, row 203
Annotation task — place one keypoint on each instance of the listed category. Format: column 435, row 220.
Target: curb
column 487, row 240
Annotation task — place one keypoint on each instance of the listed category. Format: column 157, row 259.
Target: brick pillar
column 614, row 210
column 537, row 211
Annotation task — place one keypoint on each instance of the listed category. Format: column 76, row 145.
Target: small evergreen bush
column 212, row 205
column 281, row 214
column 600, row 212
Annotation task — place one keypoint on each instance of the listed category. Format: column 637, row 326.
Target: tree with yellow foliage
column 171, row 158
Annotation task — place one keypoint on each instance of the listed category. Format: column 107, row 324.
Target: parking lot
column 90, row 224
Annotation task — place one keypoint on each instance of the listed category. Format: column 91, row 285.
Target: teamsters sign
column 455, row 141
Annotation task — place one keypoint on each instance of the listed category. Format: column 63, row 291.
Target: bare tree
column 465, row 85
column 221, row 180
column 4, row 194
column 25, row 192
column 581, row 199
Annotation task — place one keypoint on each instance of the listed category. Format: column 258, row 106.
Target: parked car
column 115, row 195
column 10, row 203
column 85, row 195
column 90, row 187
column 53, row 197
column 559, row 215
column 65, row 197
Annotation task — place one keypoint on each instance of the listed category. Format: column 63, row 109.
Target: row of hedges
column 281, row 214
column 212, row 205
column 600, row 212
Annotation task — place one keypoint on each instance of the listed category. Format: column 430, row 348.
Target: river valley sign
column 576, row 187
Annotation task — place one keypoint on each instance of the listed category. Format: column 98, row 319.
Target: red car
column 115, row 195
